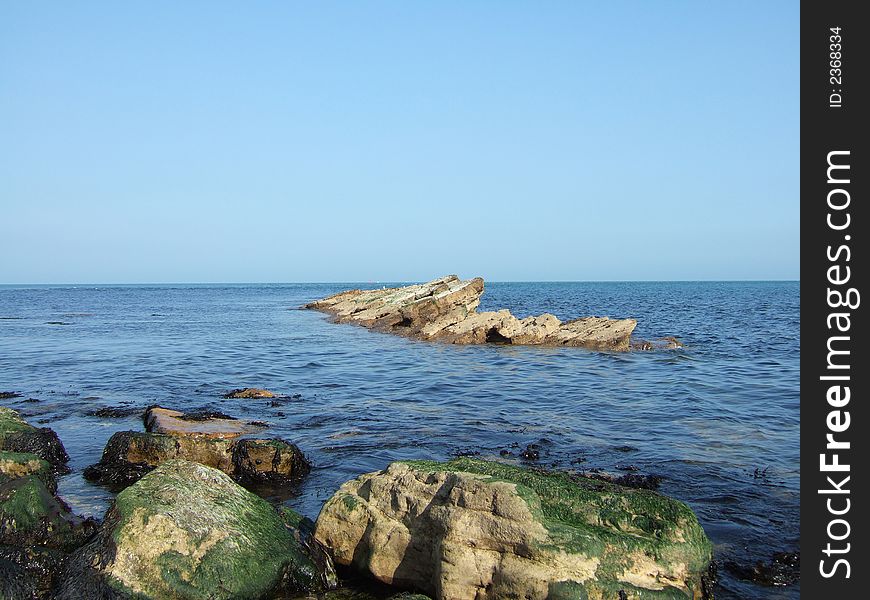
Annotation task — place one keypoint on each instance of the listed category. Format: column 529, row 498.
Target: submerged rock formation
column 209, row 439
column 446, row 309
column 187, row 531
column 472, row 529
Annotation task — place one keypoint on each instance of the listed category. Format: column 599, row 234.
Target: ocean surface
column 718, row 420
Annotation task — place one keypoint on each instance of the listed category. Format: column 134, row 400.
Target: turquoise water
column 718, row 420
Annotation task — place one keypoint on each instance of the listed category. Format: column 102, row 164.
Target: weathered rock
column 21, row 464
column 475, row 529
column 446, row 309
column 129, row 455
column 268, row 462
column 212, row 425
column 186, row 531
column 30, row 515
column 252, row 393
column 16, row 435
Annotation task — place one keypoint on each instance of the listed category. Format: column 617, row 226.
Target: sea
column 717, row 420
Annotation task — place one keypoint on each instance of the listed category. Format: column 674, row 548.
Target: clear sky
column 361, row 141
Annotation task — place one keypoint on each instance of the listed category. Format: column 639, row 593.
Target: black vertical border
column 825, row 129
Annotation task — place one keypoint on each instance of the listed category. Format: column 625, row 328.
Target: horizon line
column 216, row 283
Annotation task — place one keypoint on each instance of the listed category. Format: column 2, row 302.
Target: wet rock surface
column 446, row 309
column 476, row 529
column 129, row 455
column 188, row 531
column 209, row 424
column 252, row 393
column 16, row 435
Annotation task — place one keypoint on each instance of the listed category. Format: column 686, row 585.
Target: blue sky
column 357, row 141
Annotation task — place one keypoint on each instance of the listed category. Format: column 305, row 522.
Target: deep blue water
column 719, row 420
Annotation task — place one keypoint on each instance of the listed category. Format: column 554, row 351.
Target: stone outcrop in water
column 446, row 309
column 200, row 424
column 472, row 529
column 16, row 435
column 210, row 439
column 187, row 531
column 249, row 393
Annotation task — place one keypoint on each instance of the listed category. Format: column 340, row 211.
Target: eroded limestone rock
column 471, row 529
column 446, row 309
column 187, row 531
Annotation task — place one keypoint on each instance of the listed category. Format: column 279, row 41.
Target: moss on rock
column 188, row 531
column 473, row 528
column 30, row 515
column 21, row 464
column 16, row 435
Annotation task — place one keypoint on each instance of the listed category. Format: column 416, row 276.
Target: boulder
column 22, row 464
column 446, row 309
column 187, row 531
column 31, row 515
column 129, row 455
column 200, row 424
column 472, row 529
column 16, row 435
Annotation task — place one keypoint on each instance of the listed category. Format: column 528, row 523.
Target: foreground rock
column 129, row 455
column 186, row 531
column 471, row 529
column 446, row 309
column 16, row 435
column 37, row 528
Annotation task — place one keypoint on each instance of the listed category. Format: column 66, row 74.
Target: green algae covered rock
column 188, row 531
column 16, row 435
column 22, row 464
column 474, row 529
column 30, row 515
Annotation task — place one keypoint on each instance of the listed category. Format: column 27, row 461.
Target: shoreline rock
column 469, row 528
column 445, row 309
column 186, row 530
column 266, row 463
column 16, row 435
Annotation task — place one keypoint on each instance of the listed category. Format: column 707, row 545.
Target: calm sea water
column 719, row 420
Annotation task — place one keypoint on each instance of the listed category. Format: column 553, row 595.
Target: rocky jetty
column 446, row 309
column 188, row 531
column 212, row 439
column 475, row 529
